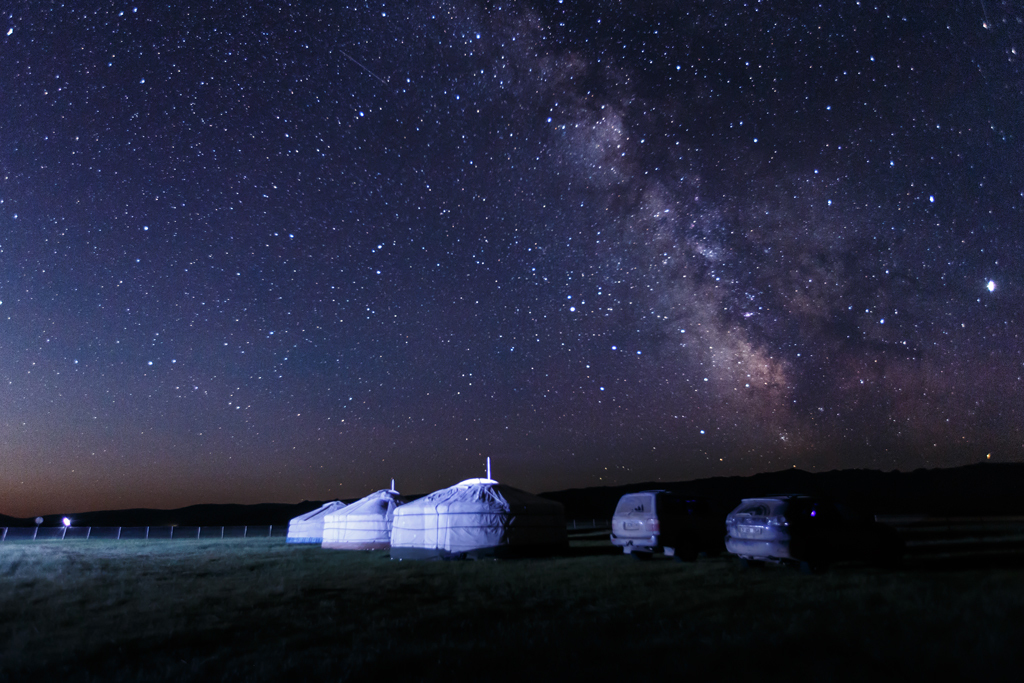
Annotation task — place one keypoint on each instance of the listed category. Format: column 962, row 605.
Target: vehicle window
column 633, row 504
column 755, row 510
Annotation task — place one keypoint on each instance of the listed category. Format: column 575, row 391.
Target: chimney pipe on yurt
column 488, row 467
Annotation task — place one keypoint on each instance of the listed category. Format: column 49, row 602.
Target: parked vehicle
column 807, row 531
column 649, row 522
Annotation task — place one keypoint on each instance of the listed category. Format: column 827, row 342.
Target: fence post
column 198, row 529
column 172, row 532
column 88, row 532
column 222, row 532
column 65, row 533
column 34, row 533
column 119, row 533
column 5, row 535
column 245, row 530
column 147, row 533
column 271, row 532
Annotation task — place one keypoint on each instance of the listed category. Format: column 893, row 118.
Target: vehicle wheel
column 750, row 564
column 641, row 555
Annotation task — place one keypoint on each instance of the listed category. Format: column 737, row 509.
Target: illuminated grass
column 261, row 610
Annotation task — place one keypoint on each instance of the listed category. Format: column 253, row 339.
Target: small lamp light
column 67, row 522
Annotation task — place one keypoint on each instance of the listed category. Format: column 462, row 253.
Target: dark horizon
column 932, row 493
column 271, row 253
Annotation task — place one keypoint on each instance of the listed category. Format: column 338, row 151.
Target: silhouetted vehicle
column 648, row 522
column 806, row 531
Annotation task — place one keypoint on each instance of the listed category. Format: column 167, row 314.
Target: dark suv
column 807, row 531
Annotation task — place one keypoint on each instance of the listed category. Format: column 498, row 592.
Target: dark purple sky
column 272, row 251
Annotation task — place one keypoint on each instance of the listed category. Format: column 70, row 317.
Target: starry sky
column 273, row 251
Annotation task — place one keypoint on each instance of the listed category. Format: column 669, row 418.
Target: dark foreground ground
column 264, row 611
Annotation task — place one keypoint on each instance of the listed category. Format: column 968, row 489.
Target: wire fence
column 178, row 533
column 923, row 535
column 124, row 533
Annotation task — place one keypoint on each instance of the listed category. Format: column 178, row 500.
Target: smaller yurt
column 309, row 528
column 363, row 525
column 478, row 518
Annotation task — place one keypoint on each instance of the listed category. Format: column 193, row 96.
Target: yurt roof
column 477, row 494
column 360, row 506
column 324, row 509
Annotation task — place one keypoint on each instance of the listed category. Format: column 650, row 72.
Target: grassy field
column 264, row 611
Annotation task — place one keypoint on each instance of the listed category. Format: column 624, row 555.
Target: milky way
column 281, row 251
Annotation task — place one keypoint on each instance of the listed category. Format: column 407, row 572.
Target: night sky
column 272, row 251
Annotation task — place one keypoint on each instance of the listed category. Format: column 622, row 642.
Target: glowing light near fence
column 67, row 522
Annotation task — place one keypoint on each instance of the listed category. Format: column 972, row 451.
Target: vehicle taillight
column 653, row 526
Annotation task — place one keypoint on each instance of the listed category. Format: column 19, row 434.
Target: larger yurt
column 363, row 525
column 478, row 518
column 309, row 528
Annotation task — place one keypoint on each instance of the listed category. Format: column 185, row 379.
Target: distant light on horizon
column 991, row 286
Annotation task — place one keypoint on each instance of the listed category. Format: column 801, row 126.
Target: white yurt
column 363, row 525
column 478, row 518
column 309, row 528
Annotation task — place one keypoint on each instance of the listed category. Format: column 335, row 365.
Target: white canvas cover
column 478, row 517
column 363, row 525
column 309, row 528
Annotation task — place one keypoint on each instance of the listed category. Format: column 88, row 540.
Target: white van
column 661, row 521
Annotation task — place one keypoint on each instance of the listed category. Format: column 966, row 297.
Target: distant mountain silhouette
column 970, row 490
column 981, row 489
column 194, row 515
column 11, row 521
